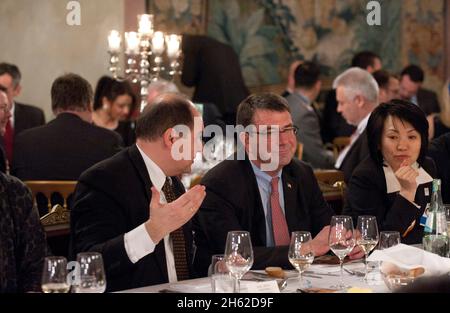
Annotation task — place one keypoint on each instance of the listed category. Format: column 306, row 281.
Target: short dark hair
column 403, row 110
column 262, row 101
column 12, row 70
column 71, row 92
column 168, row 110
column 382, row 78
column 112, row 88
column 414, row 72
column 364, row 59
column 307, row 74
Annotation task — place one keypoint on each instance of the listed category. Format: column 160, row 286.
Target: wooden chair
column 57, row 221
column 331, row 183
column 339, row 143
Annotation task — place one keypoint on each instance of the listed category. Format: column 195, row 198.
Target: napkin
column 408, row 257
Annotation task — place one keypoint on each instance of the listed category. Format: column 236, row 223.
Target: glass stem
column 341, row 263
column 237, row 285
column 366, row 267
column 300, row 278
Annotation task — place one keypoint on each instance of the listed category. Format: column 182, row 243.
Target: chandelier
column 144, row 54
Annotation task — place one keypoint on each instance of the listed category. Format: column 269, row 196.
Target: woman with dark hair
column 394, row 182
column 113, row 101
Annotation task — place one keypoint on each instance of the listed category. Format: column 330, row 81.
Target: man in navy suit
column 23, row 116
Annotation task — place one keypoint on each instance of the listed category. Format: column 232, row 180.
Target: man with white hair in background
column 357, row 96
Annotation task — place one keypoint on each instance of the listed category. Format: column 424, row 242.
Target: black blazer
column 213, row 69
column 2, row 160
column 428, row 101
column 233, row 202
column 111, row 199
column 27, row 116
column 62, row 149
column 440, row 152
column 367, row 195
column 358, row 152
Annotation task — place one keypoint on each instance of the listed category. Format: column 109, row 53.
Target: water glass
column 92, row 278
column 447, row 216
column 54, row 275
column 221, row 280
column 388, row 239
column 437, row 244
column 238, row 255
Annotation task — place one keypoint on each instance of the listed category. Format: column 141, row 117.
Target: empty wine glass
column 54, row 275
column 388, row 239
column 341, row 241
column 238, row 255
column 92, row 277
column 366, row 236
column 300, row 252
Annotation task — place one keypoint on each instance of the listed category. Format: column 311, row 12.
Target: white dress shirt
column 359, row 130
column 138, row 243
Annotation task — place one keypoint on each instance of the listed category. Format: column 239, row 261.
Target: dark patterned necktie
column 178, row 242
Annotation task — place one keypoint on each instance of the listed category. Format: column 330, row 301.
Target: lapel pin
column 289, row 185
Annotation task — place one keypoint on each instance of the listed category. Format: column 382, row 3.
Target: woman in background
column 394, row 182
column 113, row 101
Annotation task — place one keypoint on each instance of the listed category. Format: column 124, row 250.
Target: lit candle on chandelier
column 158, row 43
column 114, row 41
column 173, row 45
column 145, row 24
column 132, row 42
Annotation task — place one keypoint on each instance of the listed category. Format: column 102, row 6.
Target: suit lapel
column 291, row 204
column 142, row 172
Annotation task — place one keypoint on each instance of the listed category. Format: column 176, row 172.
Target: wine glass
column 92, row 277
column 341, row 241
column 366, row 236
column 388, row 239
column 54, row 275
column 238, row 255
column 300, row 252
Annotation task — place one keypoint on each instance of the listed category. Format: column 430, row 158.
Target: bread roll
column 275, row 272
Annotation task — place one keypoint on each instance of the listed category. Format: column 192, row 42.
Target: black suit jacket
column 213, row 68
column 27, row 116
column 440, row 152
column 367, row 195
column 358, row 152
column 111, row 199
column 62, row 149
column 2, row 160
column 233, row 202
column 333, row 125
column 428, row 101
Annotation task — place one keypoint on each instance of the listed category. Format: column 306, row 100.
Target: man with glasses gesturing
column 267, row 192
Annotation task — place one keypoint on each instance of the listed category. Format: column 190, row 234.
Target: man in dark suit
column 357, row 96
column 334, row 125
column 439, row 150
column 411, row 81
column 213, row 69
column 5, row 114
column 267, row 194
column 68, row 145
column 24, row 116
column 125, row 206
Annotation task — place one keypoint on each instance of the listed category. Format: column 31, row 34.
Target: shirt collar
column 156, row 174
column 263, row 175
column 392, row 183
column 304, row 98
column 363, row 124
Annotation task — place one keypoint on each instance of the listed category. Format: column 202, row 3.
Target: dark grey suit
column 307, row 121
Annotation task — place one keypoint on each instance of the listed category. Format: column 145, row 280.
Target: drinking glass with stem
column 341, row 241
column 388, row 239
column 54, row 275
column 366, row 236
column 300, row 252
column 92, row 278
column 238, row 255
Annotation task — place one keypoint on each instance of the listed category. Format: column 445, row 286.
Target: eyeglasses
column 274, row 131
